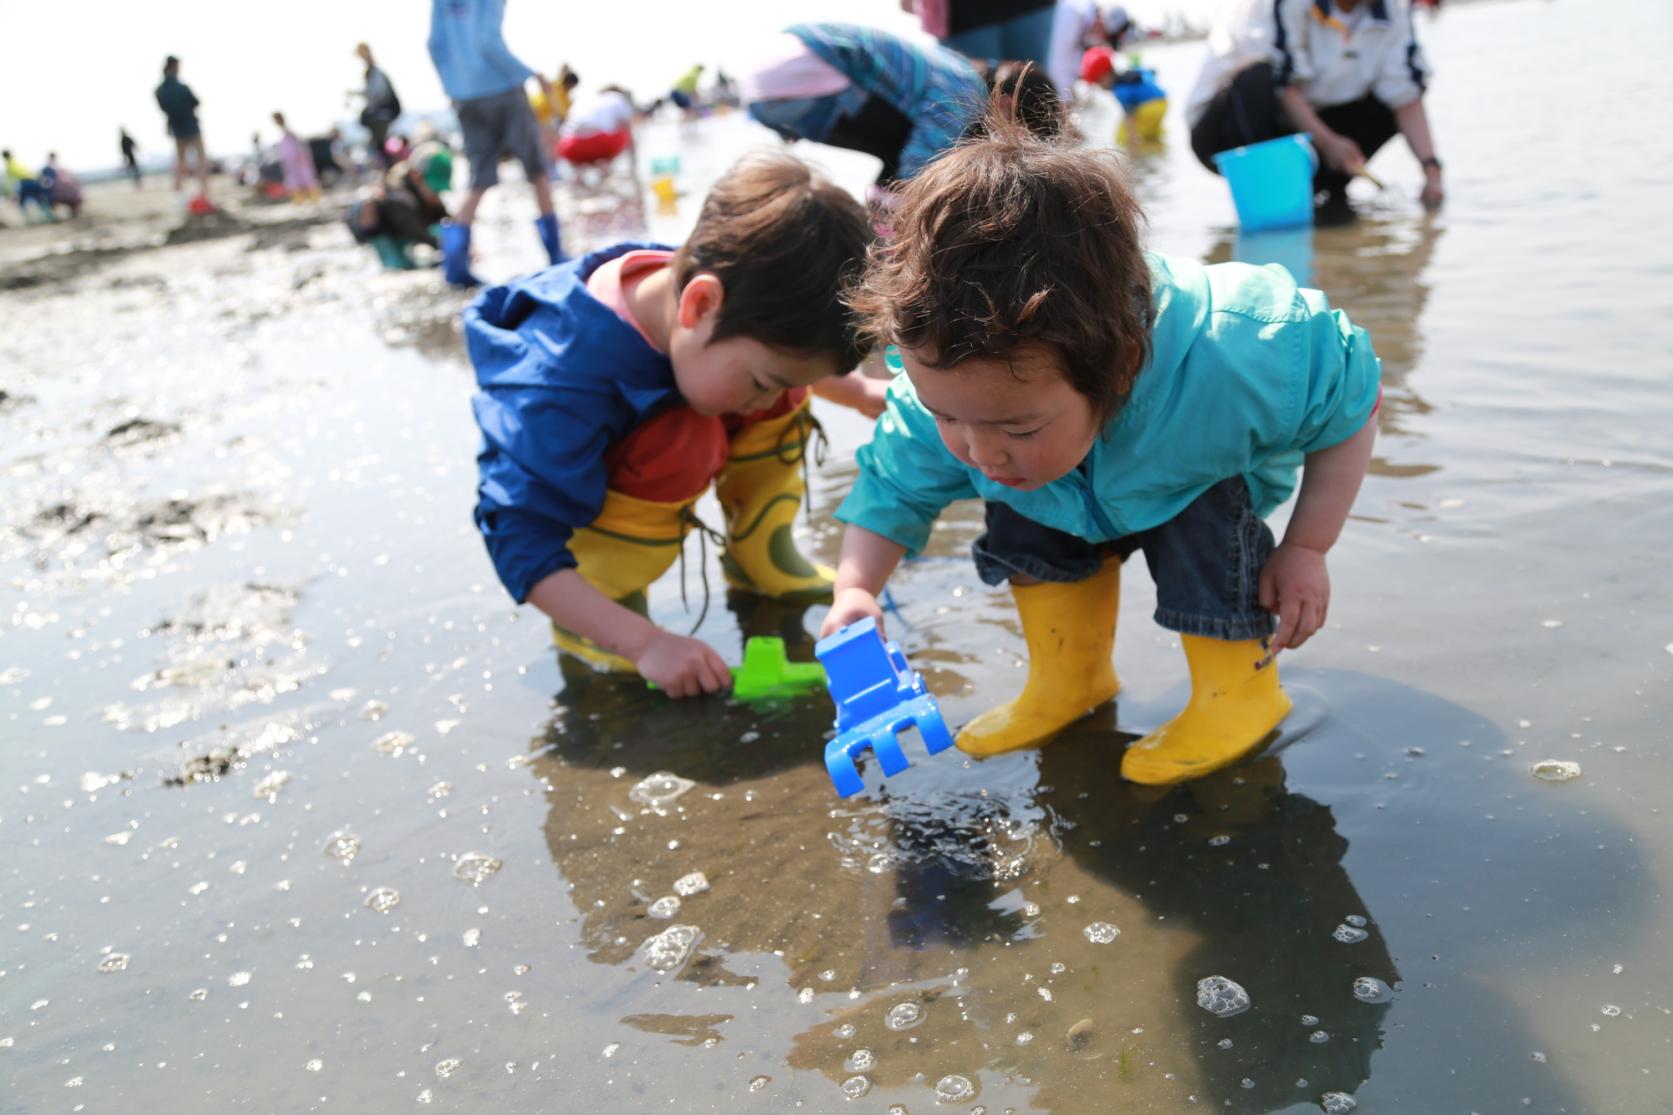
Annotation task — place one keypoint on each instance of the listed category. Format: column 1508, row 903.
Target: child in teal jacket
column 1105, row 401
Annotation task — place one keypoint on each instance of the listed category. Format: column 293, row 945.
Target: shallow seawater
column 300, row 813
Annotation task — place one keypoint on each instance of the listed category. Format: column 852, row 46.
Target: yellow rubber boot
column 621, row 554
column 1070, row 631
column 1235, row 704
column 1144, row 122
column 760, row 490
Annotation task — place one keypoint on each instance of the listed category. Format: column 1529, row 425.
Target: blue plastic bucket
column 1272, row 182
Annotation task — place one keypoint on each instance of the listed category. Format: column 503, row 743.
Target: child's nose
column 986, row 454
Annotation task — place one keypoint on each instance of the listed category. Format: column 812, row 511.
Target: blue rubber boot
column 547, row 227
column 456, row 255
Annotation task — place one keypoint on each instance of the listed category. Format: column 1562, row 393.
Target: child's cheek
column 954, row 443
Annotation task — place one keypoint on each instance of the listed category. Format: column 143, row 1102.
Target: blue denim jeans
column 1206, row 561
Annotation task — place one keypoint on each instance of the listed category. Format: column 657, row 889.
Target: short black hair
column 785, row 244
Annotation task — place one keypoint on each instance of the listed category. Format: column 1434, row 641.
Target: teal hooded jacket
column 1248, row 374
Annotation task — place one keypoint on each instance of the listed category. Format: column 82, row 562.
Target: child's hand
column 857, row 391
column 1296, row 587
column 683, row 667
column 850, row 605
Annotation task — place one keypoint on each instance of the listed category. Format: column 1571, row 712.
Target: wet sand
column 250, row 628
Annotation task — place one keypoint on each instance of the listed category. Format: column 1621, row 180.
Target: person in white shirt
column 1077, row 25
column 1349, row 73
column 598, row 128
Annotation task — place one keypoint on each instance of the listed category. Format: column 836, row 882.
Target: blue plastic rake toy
column 877, row 695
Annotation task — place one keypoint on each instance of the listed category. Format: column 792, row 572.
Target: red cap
column 1097, row 64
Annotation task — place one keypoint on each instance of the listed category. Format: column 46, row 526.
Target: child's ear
column 701, row 297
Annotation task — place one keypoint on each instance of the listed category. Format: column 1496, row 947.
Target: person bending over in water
column 1104, row 400
column 404, row 207
column 614, row 390
column 1349, row 73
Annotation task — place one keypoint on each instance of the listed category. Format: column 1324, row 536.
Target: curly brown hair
column 1010, row 241
column 785, row 242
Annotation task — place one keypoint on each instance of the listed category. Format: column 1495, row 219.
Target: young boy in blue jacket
column 1103, row 400
column 615, row 389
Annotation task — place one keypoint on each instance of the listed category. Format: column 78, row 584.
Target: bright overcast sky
column 73, row 74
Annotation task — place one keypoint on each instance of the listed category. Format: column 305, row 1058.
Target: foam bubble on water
column 447, row 1067
column 659, row 789
column 805, row 995
column 903, row 1016
column 373, row 710
column 1337, row 1103
column 199, row 995
column 861, row 1060
column 1610, row 1010
column 393, row 743
column 1356, row 919
column 1318, row 1037
column 1370, row 989
column 1221, row 997
column 756, row 1083
column 314, row 1065
column 844, row 1032
column 426, row 1096
column 1349, row 934
column 687, row 885
column 471, row 938
column 475, row 867
column 1024, row 1038
column 1224, row 1043
column 1219, row 841
column 1309, row 1020
column 238, row 979
column 383, row 899
column 667, row 951
column 612, row 1049
column 954, row 1088
column 1555, row 770
column 270, row 786
column 1101, row 932
column 120, row 838
column 855, row 1087
column 343, row 846
column 115, row 962
column 665, row 907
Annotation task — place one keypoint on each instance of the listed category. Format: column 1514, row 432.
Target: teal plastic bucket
column 1271, row 182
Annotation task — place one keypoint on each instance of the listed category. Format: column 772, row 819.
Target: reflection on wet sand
column 961, row 899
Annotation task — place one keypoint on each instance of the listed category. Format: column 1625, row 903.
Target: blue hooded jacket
column 560, row 379
column 1248, row 373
